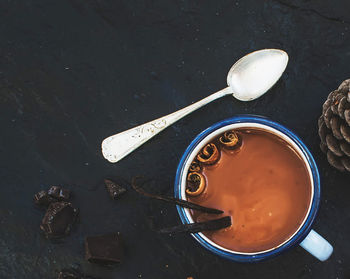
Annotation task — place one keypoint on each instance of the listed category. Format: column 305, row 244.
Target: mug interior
column 209, row 138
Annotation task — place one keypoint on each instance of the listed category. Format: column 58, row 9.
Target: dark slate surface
column 74, row 72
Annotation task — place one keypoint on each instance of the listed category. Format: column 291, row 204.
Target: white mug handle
column 317, row 246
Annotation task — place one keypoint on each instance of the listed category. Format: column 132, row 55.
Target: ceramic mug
column 304, row 235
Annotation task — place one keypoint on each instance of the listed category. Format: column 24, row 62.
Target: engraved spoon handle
column 116, row 147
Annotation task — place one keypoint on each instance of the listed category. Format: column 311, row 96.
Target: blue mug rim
column 306, row 227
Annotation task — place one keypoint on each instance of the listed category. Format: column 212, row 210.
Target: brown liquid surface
column 265, row 187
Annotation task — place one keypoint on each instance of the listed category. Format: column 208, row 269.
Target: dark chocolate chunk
column 59, row 219
column 172, row 200
column 42, row 198
column 59, row 193
column 104, row 249
column 211, row 225
column 114, row 189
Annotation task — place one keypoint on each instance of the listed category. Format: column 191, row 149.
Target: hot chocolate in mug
column 302, row 233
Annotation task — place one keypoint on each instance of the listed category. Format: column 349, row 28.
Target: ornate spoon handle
column 116, row 147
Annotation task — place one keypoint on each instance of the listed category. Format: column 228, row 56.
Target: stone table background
column 74, row 72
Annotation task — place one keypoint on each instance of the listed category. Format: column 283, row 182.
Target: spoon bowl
column 254, row 74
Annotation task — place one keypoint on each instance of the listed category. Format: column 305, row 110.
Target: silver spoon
column 248, row 79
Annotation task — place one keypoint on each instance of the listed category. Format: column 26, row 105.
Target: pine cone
column 334, row 127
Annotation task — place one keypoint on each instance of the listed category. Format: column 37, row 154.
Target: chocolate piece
column 59, row 219
column 59, row 193
column 104, row 249
column 211, row 225
column 172, row 200
column 114, row 189
column 43, row 199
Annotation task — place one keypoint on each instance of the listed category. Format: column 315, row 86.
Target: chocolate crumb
column 104, row 249
column 59, row 219
column 59, row 193
column 54, row 191
column 114, row 190
column 42, row 198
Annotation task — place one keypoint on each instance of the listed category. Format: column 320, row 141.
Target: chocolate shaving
column 59, row 219
column 211, row 225
column 173, row 200
column 209, row 155
column 114, row 190
column 104, row 249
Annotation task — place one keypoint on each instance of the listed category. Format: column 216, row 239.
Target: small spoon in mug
column 248, row 79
